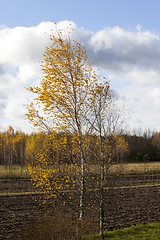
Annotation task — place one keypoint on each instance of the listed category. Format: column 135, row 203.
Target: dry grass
column 130, row 168
column 59, row 228
column 16, row 171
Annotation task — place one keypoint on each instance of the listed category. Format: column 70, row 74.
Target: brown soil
column 124, row 206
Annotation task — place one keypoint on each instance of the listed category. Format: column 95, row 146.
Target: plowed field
column 128, row 201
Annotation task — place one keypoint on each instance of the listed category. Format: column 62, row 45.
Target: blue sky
column 92, row 15
column 122, row 39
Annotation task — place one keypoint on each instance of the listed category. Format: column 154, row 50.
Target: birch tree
column 107, row 122
column 65, row 97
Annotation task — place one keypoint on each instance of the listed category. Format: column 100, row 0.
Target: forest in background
column 18, row 148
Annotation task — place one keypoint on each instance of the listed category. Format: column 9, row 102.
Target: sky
column 121, row 37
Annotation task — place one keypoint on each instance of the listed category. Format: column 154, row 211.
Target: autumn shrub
column 59, row 228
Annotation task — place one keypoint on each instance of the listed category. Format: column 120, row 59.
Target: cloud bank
column 130, row 60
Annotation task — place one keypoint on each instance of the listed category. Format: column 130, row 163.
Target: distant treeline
column 17, row 148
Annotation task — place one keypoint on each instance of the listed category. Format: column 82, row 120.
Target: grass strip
column 139, row 232
column 135, row 186
column 20, row 193
column 122, row 187
column 14, row 179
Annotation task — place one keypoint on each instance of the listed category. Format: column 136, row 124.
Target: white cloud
column 141, row 77
column 144, row 102
column 130, row 59
column 28, row 72
column 22, row 45
column 154, row 97
column 117, row 50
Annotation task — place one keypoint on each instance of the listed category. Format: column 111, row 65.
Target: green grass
column 143, row 232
